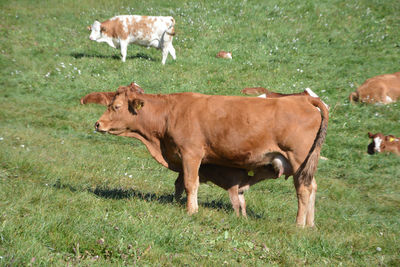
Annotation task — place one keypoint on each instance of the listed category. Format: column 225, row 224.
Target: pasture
column 70, row 196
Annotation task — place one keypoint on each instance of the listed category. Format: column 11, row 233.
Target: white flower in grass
column 379, row 249
column 1, row 138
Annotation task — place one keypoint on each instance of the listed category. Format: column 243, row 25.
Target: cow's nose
column 96, row 126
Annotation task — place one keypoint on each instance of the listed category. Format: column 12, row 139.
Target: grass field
column 72, row 196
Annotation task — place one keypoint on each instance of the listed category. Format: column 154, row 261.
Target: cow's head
column 376, row 145
column 381, row 143
column 96, row 30
column 121, row 114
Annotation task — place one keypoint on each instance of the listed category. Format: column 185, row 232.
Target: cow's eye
column 116, row 107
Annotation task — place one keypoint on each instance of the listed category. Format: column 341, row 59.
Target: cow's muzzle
column 97, row 127
column 371, row 148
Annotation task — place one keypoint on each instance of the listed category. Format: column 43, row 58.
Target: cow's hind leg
column 311, row 204
column 234, row 197
column 124, row 48
column 242, row 203
column 179, row 186
column 303, row 197
column 171, row 50
column 164, row 54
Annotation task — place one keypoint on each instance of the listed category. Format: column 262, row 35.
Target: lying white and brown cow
column 379, row 89
column 149, row 31
column 383, row 144
column 187, row 130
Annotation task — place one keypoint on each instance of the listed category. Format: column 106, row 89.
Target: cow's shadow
column 115, row 57
column 118, row 194
column 166, row 198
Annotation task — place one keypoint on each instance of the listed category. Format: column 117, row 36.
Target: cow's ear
column 135, row 105
column 89, row 28
column 102, row 28
column 370, row 135
column 135, row 88
column 101, row 98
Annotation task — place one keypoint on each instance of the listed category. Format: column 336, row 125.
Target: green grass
column 71, row 196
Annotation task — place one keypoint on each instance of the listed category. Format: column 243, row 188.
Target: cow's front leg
column 124, row 48
column 191, row 166
column 179, row 186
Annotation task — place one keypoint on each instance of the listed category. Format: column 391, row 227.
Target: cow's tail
column 171, row 28
column 353, row 97
column 305, row 173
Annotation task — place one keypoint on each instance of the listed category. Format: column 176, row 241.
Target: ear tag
column 250, row 173
column 138, row 107
column 391, row 139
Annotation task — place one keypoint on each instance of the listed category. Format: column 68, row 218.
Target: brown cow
column 183, row 131
column 105, row 98
column 261, row 91
column 382, row 143
column 379, row 89
column 265, row 93
column 226, row 177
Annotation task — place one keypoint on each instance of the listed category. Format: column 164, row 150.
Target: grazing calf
column 150, row 31
column 383, row 89
column 224, row 54
column 381, row 143
column 186, row 130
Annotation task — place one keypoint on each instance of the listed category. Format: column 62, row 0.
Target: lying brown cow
column 264, row 91
column 183, row 131
column 379, row 89
column 105, row 98
column 382, row 143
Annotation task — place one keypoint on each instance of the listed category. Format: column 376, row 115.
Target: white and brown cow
column 383, row 89
column 383, row 144
column 149, row 31
column 185, row 131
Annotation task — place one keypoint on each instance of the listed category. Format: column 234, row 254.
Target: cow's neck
column 151, row 122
